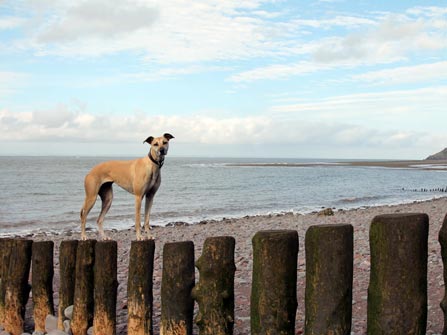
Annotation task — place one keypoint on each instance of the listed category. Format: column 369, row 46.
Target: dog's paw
column 145, row 238
column 105, row 238
column 148, row 235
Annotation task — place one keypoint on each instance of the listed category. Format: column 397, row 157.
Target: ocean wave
column 361, row 199
column 430, row 166
column 205, row 165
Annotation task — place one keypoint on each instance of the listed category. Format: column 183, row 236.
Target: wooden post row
column 398, row 245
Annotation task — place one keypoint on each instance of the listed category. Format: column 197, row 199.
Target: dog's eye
column 165, row 142
column 156, row 144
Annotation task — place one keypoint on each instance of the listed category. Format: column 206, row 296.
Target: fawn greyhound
column 141, row 177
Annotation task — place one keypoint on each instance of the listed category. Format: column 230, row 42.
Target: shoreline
column 243, row 230
column 92, row 227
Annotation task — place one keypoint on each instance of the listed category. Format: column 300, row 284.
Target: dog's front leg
column 147, row 215
column 138, row 199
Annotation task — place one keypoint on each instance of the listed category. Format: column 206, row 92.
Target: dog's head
column 159, row 145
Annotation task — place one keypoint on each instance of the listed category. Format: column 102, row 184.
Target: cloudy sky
column 257, row 78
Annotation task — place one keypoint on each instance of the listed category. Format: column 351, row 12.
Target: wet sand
column 400, row 164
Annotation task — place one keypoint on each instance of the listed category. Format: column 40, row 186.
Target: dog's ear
column 168, row 136
column 149, row 139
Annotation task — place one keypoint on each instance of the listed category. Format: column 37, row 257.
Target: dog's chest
column 152, row 180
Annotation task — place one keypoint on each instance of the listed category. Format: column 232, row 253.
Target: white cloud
column 177, row 31
column 338, row 21
column 161, row 73
column 278, row 71
column 10, row 22
column 96, row 19
column 72, row 124
column 428, row 11
column 9, row 76
column 405, row 74
column 164, row 32
column 11, row 81
column 60, row 118
column 64, row 123
column 405, row 109
column 392, row 39
column 388, row 39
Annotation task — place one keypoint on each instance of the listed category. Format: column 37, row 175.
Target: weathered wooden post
column 42, row 282
column 178, row 280
column 215, row 290
column 397, row 292
column 329, row 271
column 83, row 295
column 5, row 252
column 67, row 270
column 17, row 287
column 139, row 288
column 273, row 293
column 443, row 242
column 106, row 284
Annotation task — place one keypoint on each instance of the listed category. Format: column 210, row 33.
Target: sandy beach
column 243, row 229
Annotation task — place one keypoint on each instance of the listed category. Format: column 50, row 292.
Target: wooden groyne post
column 443, row 242
column 42, row 282
column 83, row 294
column 139, row 288
column 329, row 274
column 273, row 294
column 215, row 290
column 17, row 287
column 5, row 252
column 397, row 292
column 67, row 274
column 178, row 280
column 106, row 284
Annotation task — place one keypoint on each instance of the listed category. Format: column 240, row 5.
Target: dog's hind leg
column 91, row 193
column 106, row 194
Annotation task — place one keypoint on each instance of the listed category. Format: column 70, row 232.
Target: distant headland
column 442, row 155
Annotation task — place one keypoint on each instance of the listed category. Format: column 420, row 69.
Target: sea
column 45, row 194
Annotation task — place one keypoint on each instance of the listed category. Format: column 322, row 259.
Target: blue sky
column 310, row 79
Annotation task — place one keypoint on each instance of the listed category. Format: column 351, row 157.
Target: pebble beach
column 243, row 230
